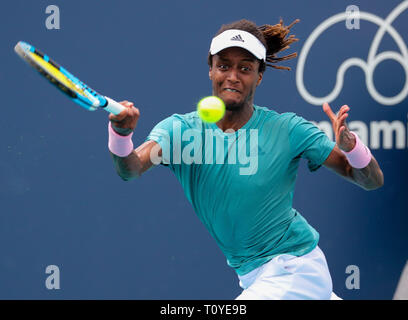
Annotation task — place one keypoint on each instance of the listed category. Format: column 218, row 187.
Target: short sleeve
column 309, row 142
column 163, row 134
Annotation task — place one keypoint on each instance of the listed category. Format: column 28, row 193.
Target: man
column 272, row 248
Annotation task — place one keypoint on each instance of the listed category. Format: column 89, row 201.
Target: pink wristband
column 360, row 156
column 119, row 145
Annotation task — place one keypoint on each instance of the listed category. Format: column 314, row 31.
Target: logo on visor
column 237, row 38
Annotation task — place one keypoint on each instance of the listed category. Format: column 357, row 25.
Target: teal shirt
column 241, row 184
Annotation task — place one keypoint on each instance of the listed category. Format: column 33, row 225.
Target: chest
column 246, row 162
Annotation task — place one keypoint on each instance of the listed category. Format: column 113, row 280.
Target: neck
column 236, row 119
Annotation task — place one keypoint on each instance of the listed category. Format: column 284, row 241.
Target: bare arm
column 369, row 178
column 136, row 163
column 140, row 160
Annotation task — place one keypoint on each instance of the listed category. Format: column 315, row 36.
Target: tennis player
column 272, row 248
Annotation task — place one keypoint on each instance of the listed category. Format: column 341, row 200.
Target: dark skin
column 235, row 69
column 370, row 177
column 235, row 75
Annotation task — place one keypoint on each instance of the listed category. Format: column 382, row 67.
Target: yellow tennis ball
column 211, row 109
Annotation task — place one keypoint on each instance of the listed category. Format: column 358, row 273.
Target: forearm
column 129, row 167
column 369, row 178
column 350, row 158
column 138, row 161
column 364, row 168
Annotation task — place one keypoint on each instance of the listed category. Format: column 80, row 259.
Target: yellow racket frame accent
column 54, row 72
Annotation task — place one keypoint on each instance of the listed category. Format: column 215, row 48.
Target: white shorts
column 287, row 277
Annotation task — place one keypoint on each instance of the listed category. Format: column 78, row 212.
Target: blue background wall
column 61, row 202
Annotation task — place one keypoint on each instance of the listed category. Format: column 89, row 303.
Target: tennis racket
column 74, row 88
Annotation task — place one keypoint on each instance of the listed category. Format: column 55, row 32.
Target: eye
column 246, row 69
column 223, row 67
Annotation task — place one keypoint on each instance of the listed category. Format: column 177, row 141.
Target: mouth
column 231, row 90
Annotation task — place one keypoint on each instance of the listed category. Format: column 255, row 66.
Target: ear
column 210, row 73
column 259, row 79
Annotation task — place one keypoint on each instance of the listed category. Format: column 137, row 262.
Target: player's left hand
column 344, row 138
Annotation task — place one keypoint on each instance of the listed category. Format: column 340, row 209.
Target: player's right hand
column 125, row 122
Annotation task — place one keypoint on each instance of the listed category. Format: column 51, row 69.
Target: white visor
column 238, row 38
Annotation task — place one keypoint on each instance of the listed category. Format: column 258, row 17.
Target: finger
column 328, row 111
column 114, row 118
column 340, row 122
column 119, row 117
column 127, row 104
column 343, row 117
column 343, row 110
column 134, row 113
column 339, row 112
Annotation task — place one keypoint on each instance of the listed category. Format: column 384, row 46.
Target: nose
column 233, row 75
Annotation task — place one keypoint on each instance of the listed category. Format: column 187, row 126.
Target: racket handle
column 113, row 106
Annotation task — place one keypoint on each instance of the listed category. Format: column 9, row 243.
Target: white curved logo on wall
column 368, row 66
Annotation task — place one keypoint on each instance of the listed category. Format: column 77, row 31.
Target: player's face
column 235, row 76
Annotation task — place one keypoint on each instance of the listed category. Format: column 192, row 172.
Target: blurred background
column 62, row 204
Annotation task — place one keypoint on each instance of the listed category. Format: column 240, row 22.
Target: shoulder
column 285, row 118
column 266, row 112
column 184, row 121
column 185, row 116
column 292, row 117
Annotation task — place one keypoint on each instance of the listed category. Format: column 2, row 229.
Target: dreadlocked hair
column 275, row 38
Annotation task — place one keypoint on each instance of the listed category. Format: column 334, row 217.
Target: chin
column 234, row 106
